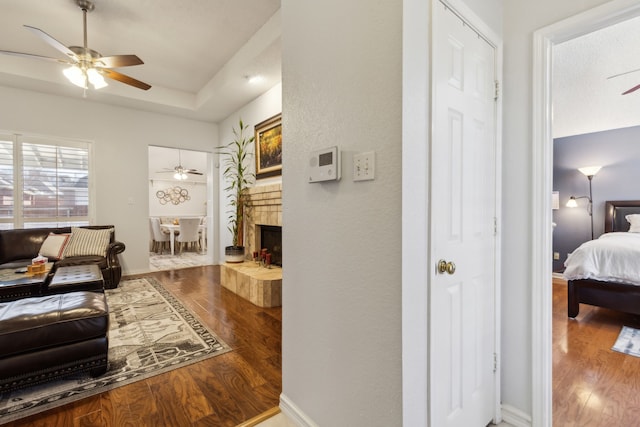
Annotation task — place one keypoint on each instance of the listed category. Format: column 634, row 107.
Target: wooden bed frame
column 615, row 296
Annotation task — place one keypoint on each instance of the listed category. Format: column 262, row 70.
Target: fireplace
column 263, row 209
column 271, row 240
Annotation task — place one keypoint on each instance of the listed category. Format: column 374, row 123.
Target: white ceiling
column 198, row 54
column 584, row 100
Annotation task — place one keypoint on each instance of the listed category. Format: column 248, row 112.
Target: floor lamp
column 589, row 172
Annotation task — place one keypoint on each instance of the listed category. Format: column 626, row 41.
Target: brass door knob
column 446, row 267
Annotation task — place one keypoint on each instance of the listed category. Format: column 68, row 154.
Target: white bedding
column 613, row 257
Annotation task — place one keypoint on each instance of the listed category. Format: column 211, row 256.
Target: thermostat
column 324, row 165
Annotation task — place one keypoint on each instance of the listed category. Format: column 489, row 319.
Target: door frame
column 542, row 181
column 416, row 137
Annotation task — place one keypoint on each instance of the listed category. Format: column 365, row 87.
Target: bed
column 609, row 289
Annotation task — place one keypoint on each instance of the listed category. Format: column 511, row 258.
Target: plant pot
column 234, row 253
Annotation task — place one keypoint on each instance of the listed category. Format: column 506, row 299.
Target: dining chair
column 189, row 232
column 160, row 239
column 152, row 241
column 203, row 232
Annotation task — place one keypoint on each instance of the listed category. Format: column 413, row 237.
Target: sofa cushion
column 85, row 241
column 100, row 261
column 54, row 245
column 30, row 324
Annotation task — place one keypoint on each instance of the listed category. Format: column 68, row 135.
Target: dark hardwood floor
column 221, row 391
column 592, row 384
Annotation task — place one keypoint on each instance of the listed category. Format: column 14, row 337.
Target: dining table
column 174, row 228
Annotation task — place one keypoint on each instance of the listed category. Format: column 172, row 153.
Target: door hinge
column 497, row 93
column 495, row 362
column 495, row 226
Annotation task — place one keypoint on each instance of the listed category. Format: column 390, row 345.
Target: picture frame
column 268, row 153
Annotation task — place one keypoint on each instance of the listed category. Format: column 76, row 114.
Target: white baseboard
column 515, row 417
column 299, row 418
column 510, row 415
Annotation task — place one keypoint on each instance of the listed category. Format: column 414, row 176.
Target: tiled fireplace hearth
column 262, row 286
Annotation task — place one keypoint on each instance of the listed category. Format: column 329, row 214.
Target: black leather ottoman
column 75, row 278
column 48, row 337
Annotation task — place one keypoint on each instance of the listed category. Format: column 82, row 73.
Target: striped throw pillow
column 54, row 245
column 84, row 242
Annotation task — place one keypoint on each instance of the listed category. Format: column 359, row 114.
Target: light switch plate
column 364, row 166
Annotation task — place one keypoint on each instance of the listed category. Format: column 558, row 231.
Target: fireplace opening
column 271, row 240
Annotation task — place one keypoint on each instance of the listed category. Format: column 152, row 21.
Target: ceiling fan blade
column 116, row 61
column 29, row 55
column 633, row 89
column 622, row 74
column 52, row 42
column 125, row 79
column 193, row 172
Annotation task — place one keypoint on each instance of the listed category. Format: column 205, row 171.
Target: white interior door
column 463, row 222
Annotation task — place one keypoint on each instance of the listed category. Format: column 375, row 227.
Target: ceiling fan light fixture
column 76, row 76
column 180, row 176
column 96, row 79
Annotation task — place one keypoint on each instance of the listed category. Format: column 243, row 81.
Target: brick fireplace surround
column 264, row 207
column 262, row 286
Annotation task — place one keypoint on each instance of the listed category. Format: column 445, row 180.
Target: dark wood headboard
column 614, row 214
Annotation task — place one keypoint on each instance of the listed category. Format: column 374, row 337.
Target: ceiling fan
column 180, row 172
column 87, row 65
column 633, row 89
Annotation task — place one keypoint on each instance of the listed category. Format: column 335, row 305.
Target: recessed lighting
column 254, row 79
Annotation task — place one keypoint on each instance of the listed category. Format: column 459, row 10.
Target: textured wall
column 342, row 240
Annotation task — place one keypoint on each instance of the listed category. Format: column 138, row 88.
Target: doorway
column 179, row 190
column 542, row 167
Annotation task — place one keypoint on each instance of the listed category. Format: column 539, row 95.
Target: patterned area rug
column 150, row 332
column 166, row 261
column 628, row 341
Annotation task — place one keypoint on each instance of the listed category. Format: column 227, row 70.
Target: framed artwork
column 268, row 141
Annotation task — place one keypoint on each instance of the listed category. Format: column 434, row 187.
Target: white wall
column 196, row 206
column 120, row 140
column 267, row 105
column 342, row 240
column 521, row 19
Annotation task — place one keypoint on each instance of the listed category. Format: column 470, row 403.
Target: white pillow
column 634, row 220
column 54, row 245
column 85, row 241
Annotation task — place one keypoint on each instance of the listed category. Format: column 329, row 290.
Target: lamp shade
column 75, row 76
column 590, row 170
column 96, row 79
column 180, row 176
column 572, row 202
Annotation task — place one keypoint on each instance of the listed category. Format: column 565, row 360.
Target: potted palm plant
column 238, row 177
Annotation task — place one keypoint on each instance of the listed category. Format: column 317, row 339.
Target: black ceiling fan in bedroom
column 86, row 65
column 633, row 89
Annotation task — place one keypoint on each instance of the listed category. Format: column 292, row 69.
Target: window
column 48, row 178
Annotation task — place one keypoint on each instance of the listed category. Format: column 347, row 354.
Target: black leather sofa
column 19, row 246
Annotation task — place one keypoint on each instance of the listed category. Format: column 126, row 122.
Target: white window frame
column 18, row 139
